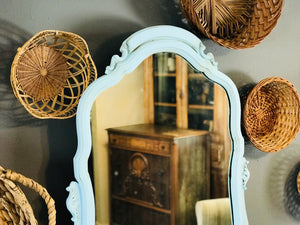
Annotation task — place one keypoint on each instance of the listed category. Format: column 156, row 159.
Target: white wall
column 44, row 150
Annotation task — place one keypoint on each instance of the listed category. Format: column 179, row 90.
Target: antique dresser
column 157, row 174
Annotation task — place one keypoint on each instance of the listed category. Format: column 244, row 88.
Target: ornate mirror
column 175, row 114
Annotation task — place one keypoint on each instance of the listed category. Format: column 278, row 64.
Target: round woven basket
column 236, row 24
column 14, row 206
column 50, row 72
column 271, row 115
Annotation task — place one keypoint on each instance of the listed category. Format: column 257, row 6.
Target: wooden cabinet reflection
column 157, row 174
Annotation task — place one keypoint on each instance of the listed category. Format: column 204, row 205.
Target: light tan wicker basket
column 50, row 72
column 233, row 24
column 14, row 206
column 271, row 115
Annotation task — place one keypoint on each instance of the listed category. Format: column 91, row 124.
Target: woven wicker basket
column 14, row 206
column 50, row 72
column 236, row 24
column 271, row 116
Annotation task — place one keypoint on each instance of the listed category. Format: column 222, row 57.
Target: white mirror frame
column 134, row 50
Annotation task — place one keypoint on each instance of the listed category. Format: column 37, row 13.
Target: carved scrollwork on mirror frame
column 134, row 50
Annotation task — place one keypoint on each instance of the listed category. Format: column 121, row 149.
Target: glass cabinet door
column 200, row 101
column 164, row 73
column 182, row 96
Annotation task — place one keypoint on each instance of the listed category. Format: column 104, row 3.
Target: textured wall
column 44, row 149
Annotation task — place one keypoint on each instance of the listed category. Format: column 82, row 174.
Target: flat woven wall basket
column 236, row 24
column 50, row 72
column 14, row 206
column 271, row 116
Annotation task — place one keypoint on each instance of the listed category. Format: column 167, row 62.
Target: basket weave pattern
column 271, row 115
column 239, row 25
column 14, row 206
column 52, row 91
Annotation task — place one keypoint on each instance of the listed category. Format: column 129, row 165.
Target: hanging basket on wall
column 271, row 115
column 14, row 206
column 50, row 72
column 233, row 24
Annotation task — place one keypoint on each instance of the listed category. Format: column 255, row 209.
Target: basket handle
column 37, row 188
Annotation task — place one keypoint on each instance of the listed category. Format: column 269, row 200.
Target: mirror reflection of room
column 166, row 150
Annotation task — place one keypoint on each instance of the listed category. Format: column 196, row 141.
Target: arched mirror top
column 134, row 50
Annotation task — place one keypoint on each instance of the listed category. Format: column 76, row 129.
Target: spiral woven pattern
column 42, row 72
column 271, row 114
column 14, row 206
column 50, row 72
column 233, row 24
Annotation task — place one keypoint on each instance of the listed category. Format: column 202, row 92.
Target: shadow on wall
column 12, row 113
column 292, row 197
column 39, row 149
column 104, row 37
column 59, row 173
column 282, row 182
column 155, row 12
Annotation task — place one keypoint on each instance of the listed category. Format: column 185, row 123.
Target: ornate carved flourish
column 116, row 58
column 246, row 174
column 138, row 183
column 209, row 56
column 73, row 202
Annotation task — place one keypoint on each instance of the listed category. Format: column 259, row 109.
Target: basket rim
column 257, row 87
column 55, row 32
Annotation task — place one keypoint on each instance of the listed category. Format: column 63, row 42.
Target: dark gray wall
column 43, row 149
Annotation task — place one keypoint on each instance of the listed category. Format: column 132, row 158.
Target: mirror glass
column 161, row 145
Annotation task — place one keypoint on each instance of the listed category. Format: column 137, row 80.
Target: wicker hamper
column 50, row 72
column 233, row 24
column 14, row 206
column 271, row 115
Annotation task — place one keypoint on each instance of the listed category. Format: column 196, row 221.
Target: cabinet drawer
column 124, row 213
column 133, row 142
column 140, row 176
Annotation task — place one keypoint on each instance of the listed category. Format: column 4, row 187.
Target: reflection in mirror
column 167, row 149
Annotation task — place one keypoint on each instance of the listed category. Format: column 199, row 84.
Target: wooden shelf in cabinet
column 166, row 104
column 206, row 107
column 165, row 74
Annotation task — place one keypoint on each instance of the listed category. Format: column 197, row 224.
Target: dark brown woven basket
column 236, row 24
column 50, row 72
column 271, row 116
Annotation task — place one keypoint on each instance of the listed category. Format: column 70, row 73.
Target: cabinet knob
column 116, row 173
column 161, row 172
column 161, row 194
